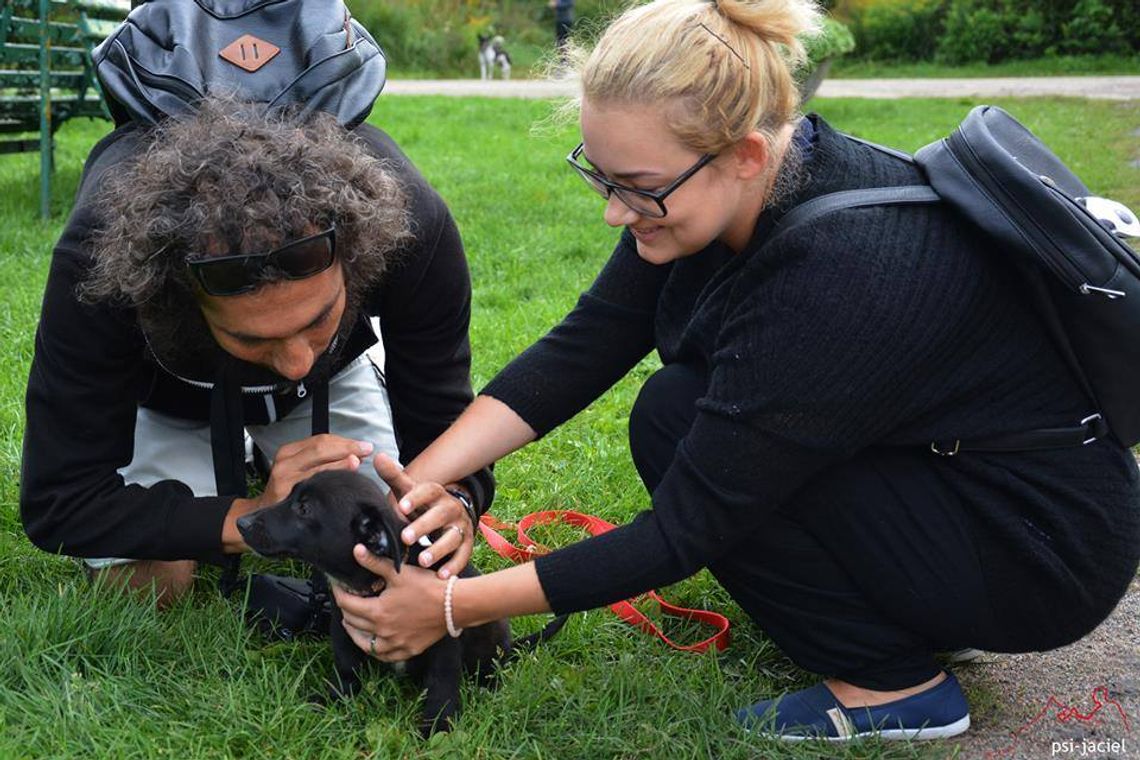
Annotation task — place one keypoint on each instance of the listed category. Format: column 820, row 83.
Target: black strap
column 821, row 205
column 227, row 444
column 319, row 397
column 1090, row 429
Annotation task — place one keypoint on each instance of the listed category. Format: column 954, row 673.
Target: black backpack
column 1084, row 279
column 168, row 54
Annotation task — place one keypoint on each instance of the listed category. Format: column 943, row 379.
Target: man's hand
column 302, row 459
column 434, row 510
column 295, row 462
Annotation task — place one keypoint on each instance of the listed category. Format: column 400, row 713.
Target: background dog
column 491, row 53
column 320, row 522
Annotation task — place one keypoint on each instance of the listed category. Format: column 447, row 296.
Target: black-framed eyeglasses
column 232, row 275
column 649, row 203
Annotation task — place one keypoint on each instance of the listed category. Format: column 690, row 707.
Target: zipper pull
column 1086, row 289
column 301, row 391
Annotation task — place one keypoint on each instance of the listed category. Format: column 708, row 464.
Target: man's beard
column 184, row 346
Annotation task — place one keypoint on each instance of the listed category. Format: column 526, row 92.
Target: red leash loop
column 527, row 549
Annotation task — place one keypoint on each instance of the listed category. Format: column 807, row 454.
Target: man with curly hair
column 224, row 272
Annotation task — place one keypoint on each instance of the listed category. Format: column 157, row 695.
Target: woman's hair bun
column 782, row 22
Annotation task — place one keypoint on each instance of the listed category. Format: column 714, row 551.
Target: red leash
column 528, row 550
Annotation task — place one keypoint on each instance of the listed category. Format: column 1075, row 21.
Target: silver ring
column 462, row 533
column 372, row 645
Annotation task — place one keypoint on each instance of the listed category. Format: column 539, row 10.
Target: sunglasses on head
column 231, row 275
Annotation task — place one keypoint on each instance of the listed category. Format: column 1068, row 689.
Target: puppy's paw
column 441, row 723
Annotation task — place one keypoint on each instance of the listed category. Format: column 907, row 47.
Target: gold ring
column 459, row 528
column 372, row 645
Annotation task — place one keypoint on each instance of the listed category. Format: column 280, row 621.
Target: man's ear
column 377, row 535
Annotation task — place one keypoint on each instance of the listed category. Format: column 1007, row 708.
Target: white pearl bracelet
column 447, row 618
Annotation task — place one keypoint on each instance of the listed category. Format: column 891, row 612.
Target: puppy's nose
column 248, row 526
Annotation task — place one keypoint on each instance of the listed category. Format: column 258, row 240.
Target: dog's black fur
column 320, row 522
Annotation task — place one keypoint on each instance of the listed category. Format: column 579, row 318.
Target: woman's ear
column 751, row 155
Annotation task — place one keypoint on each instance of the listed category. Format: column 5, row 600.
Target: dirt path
column 1109, row 88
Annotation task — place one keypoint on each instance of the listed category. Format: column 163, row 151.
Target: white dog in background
column 491, row 53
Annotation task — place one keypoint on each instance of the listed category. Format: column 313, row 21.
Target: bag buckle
column 1095, row 426
column 942, row 452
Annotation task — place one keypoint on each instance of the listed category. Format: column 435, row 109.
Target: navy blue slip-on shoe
column 815, row 713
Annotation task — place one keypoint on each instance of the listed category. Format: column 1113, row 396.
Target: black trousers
column 869, row 571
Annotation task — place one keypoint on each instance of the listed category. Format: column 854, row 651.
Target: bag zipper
column 1063, row 267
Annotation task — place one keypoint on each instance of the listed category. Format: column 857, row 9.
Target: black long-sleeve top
column 92, row 368
column 883, row 326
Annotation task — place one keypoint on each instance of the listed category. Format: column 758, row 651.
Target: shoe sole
column 892, row 734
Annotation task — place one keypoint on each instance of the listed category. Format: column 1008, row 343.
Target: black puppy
column 319, row 523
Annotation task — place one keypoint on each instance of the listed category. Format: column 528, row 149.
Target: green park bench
column 46, row 73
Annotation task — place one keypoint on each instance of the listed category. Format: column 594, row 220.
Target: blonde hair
column 719, row 68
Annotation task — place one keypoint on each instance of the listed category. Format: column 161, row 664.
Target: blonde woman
column 786, row 442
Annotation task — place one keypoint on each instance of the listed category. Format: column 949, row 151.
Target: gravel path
column 1080, row 701
column 1109, row 88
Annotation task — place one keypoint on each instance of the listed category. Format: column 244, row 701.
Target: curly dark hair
column 237, row 178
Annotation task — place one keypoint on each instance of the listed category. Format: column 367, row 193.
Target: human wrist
column 232, row 541
column 448, row 608
column 480, row 599
column 464, row 498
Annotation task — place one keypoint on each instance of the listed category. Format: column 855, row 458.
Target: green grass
column 86, row 673
column 1064, row 65
column 530, row 64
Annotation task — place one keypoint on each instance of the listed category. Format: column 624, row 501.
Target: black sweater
column 92, row 368
column 885, row 326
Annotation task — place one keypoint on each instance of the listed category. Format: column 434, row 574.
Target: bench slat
column 27, row 31
column 31, row 78
column 75, row 57
column 97, row 29
column 106, row 8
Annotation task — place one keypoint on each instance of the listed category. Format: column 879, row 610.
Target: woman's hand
column 434, row 509
column 404, row 620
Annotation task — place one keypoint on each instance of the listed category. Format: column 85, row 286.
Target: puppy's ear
column 377, row 535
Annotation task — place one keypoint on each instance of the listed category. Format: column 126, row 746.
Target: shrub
column 973, row 32
column 1030, row 35
column 902, row 30
column 990, row 30
column 833, row 41
column 1093, row 28
column 441, row 36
